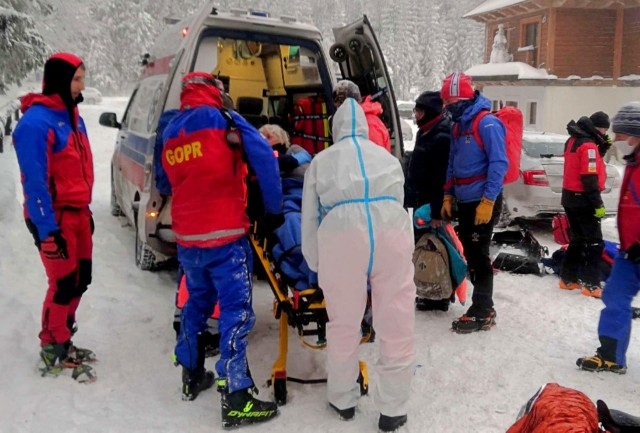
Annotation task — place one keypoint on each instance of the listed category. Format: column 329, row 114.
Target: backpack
column 560, row 225
column 511, row 118
column 311, row 124
column 431, row 268
column 556, row 409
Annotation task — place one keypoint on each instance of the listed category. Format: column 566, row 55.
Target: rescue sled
column 304, row 310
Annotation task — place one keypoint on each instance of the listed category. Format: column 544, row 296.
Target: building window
column 533, row 113
column 530, row 40
column 511, row 104
column 495, row 105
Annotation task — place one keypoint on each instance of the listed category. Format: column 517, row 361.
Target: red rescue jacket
column 207, row 176
column 55, row 160
column 378, row 132
column 629, row 205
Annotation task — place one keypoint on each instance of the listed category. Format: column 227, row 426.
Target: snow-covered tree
column 22, row 49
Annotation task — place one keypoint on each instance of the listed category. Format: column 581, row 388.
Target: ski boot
column 241, row 407
column 391, row 423
column 344, row 414
column 55, row 361
column 196, row 381
column 81, row 354
column 598, row 363
column 592, row 291
column 468, row 323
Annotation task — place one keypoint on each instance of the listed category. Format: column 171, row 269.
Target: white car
column 405, row 109
column 91, row 95
column 538, row 191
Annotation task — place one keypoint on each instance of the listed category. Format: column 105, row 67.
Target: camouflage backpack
column 431, row 264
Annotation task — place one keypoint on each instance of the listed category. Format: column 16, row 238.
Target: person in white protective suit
column 356, row 235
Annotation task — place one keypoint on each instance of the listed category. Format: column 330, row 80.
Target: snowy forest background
column 422, row 40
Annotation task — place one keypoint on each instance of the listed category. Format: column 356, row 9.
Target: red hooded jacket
column 378, row 132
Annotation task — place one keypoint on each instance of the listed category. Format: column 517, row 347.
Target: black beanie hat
column 431, row 103
column 600, row 119
column 58, row 74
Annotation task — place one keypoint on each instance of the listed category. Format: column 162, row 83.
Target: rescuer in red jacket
column 57, row 178
column 584, row 177
column 205, row 155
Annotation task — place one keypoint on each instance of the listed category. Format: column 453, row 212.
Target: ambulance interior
column 265, row 79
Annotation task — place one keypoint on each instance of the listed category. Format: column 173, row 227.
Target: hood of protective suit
column 349, row 121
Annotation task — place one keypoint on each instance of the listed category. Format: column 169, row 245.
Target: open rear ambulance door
column 360, row 59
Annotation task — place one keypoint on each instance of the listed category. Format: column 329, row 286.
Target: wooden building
column 586, row 54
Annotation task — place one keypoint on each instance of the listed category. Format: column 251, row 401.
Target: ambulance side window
column 125, row 118
column 143, row 107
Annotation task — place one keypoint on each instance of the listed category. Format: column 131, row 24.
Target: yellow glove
column 447, row 205
column 484, row 211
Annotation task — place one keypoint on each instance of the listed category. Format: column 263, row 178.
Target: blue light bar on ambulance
column 259, row 13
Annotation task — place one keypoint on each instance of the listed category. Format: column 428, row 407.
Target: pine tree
column 21, row 46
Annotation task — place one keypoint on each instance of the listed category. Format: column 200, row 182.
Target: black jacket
column 428, row 166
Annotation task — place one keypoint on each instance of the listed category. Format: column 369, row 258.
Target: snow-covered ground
column 463, row 383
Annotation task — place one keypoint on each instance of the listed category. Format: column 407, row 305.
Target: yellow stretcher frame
column 302, row 308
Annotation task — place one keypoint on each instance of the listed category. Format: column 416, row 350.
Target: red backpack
column 511, row 118
column 560, row 225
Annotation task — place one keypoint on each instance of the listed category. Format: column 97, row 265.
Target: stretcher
column 304, row 310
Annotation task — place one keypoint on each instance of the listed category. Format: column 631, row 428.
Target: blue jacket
column 55, row 160
column 469, row 159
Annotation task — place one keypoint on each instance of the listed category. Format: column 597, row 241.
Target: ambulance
column 269, row 65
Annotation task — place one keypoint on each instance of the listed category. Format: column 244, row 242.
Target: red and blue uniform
column 57, row 179
column 614, row 328
column 207, row 176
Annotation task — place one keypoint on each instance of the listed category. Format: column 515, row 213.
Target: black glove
column 272, row 221
column 92, row 224
column 55, row 246
column 633, row 253
column 34, row 232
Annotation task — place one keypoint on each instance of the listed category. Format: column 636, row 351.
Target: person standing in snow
column 428, row 168
column 474, row 180
column 614, row 328
column 378, row 132
column 584, row 176
column 355, row 235
column 57, row 179
column 204, row 151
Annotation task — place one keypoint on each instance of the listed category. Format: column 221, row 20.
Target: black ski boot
column 194, row 382
column 197, row 380
column 469, row 323
column 241, row 407
column 344, row 414
column 391, row 423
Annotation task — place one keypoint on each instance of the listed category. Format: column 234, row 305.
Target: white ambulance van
column 267, row 64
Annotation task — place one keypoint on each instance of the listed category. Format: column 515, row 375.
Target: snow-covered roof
column 518, row 70
column 491, row 5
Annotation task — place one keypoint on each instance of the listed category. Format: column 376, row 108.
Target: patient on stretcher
column 293, row 161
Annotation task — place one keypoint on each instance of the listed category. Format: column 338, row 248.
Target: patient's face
column 271, row 138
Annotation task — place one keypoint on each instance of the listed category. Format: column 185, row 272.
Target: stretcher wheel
column 280, row 391
column 338, row 53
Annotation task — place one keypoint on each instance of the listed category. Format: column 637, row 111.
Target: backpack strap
column 476, row 127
